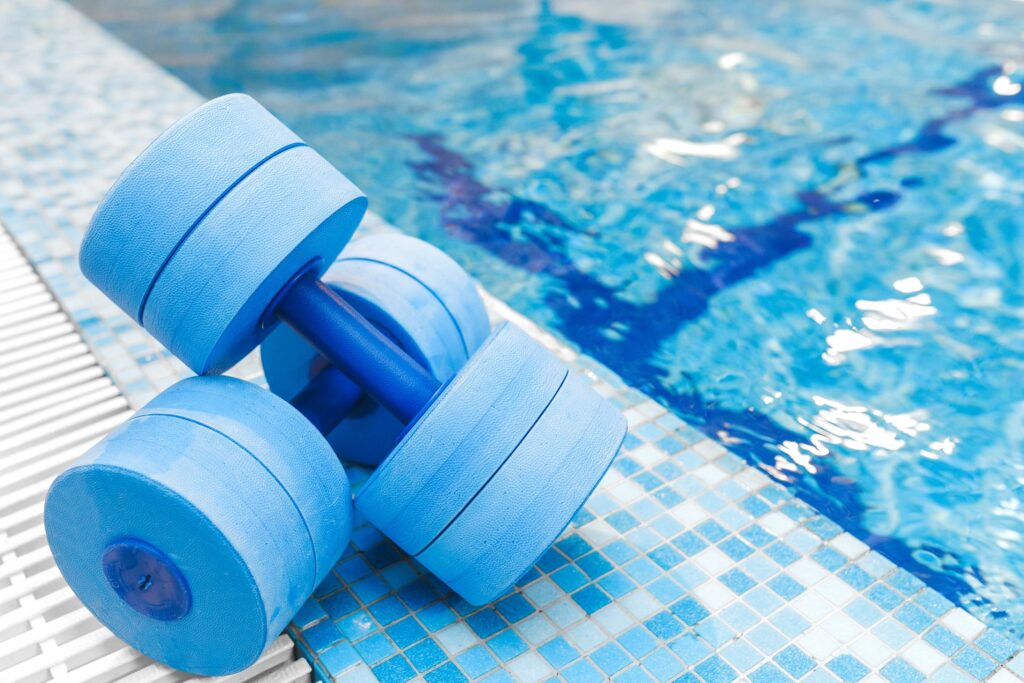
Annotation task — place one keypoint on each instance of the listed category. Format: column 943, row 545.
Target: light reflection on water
column 796, row 223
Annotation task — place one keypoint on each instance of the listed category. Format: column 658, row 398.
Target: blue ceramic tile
column 737, row 581
column 476, row 661
column 997, row 645
column 583, row 672
column 610, row 658
column 914, row 618
column 769, row 673
column 339, row 604
column 322, row 636
column 662, row 665
column 637, row 641
column 591, row 599
column 448, row 673
column 425, row 655
column 485, row 623
column 406, row 632
column 767, row 639
column 507, row 645
column 690, row 611
column 974, row 662
column 944, row 640
column 714, row 670
column 848, row 668
column 690, row 649
column 374, row 649
column 339, row 657
column 898, row 671
column 794, row 661
column 664, row 626
column 394, row 670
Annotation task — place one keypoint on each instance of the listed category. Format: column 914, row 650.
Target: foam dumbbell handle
column 356, row 347
column 327, row 399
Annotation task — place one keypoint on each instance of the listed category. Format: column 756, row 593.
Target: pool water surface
column 796, row 224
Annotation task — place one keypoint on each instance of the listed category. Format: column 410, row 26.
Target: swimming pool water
column 797, row 224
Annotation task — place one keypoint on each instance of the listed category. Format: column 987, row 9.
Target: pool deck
column 686, row 563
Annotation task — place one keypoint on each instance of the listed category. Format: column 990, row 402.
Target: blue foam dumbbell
column 492, row 463
column 412, row 292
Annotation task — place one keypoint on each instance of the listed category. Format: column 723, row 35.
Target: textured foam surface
column 446, row 282
column 207, row 304
column 530, row 500
column 461, row 439
column 160, row 198
column 175, row 485
column 284, row 443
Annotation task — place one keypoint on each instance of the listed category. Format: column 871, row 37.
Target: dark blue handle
column 354, row 346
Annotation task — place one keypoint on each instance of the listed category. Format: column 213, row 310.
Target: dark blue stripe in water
column 586, row 306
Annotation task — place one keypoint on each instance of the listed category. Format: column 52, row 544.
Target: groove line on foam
column 498, row 468
column 192, row 228
column 448, row 312
column 295, row 505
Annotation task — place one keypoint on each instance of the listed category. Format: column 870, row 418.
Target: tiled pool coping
column 686, row 563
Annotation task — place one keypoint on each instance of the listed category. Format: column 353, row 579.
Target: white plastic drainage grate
column 56, row 401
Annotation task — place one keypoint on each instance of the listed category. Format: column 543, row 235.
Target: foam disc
column 162, row 195
column 461, row 439
column 283, row 442
column 181, row 541
column 532, row 498
column 206, row 305
column 417, row 296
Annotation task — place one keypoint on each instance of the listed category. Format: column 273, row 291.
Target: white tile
column 651, row 409
column 924, row 657
column 529, row 666
column 813, row 606
column 613, row 618
column 536, row 629
column 640, row 603
column 456, row 638
column 751, row 479
column 777, row 523
column 586, row 636
column 849, row 545
column 842, row 627
column 818, row 644
column 710, row 474
column 714, row 595
column 689, row 513
column 647, row 455
column 627, row 491
column 1005, row 676
column 807, row 571
column 837, row 591
column 634, row 418
column 708, row 449
column 599, row 533
column 713, row 561
column 963, row 624
column 871, row 650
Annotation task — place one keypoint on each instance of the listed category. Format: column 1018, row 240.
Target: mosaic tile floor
column 686, row 564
